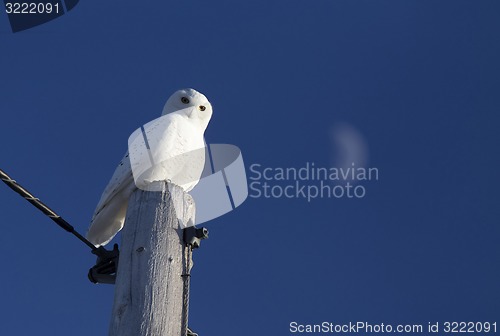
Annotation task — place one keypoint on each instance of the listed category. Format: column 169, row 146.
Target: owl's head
column 196, row 104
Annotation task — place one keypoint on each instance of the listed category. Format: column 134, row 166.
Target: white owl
column 187, row 114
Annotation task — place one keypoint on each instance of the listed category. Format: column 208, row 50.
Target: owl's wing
column 121, row 179
column 110, row 212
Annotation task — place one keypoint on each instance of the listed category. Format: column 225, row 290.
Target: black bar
column 43, row 208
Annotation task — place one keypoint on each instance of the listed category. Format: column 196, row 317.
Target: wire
column 44, row 208
column 187, row 259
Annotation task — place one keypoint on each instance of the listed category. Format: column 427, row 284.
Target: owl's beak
column 190, row 111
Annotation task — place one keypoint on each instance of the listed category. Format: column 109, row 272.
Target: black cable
column 43, row 208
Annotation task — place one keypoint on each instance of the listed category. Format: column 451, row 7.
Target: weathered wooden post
column 152, row 283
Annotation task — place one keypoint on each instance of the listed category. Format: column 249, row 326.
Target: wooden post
column 151, row 292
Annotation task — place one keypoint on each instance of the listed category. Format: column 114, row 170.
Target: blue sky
column 418, row 80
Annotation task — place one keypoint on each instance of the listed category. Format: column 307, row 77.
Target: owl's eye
column 185, row 100
column 202, row 108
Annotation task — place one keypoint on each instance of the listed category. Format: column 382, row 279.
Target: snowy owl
column 187, row 114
